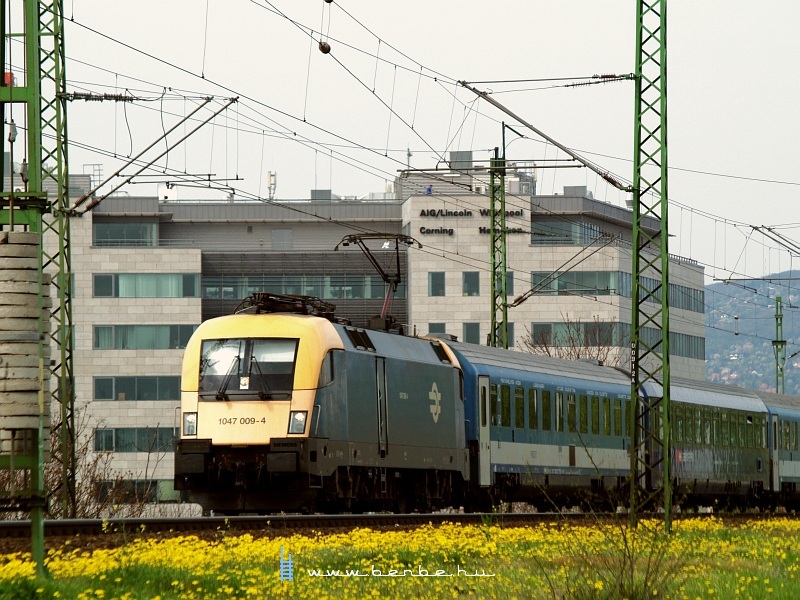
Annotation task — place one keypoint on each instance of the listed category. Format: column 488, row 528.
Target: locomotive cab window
column 326, row 369
column 247, row 369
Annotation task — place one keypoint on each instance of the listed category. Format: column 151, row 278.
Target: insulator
column 324, row 47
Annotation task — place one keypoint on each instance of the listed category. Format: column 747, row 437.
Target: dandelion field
column 703, row 559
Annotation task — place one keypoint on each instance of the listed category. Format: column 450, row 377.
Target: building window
column 146, row 285
column 542, row 334
column 141, row 337
column 472, row 333
column 137, row 388
column 328, row 287
column 471, row 283
column 103, row 440
column 436, row 328
column 135, row 439
column 436, row 283
column 125, row 234
column 282, row 239
column 509, row 284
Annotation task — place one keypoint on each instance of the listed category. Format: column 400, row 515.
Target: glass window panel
column 125, row 388
column 493, row 399
column 103, row 388
column 542, row 334
column 607, row 416
column 103, row 286
column 533, row 409
column 169, row 388
column 103, row 440
column 519, row 407
column 572, row 416
column 436, row 284
column 436, row 328
column 190, row 286
column 471, row 283
column 618, row 417
column 472, row 333
column 146, row 388
column 505, row 399
column 546, row 411
column 559, row 411
column 125, row 439
column 103, row 337
column 595, row 414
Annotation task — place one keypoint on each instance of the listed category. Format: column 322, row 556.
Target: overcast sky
column 324, row 121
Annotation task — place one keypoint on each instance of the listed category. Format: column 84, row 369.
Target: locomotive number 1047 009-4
column 241, row 420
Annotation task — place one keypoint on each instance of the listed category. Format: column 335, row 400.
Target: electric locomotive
column 285, row 411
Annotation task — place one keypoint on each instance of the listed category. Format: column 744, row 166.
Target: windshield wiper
column 263, row 387
column 221, row 392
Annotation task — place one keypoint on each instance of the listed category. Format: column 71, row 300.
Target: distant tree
column 576, row 339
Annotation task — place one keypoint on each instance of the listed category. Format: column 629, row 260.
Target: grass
column 703, row 559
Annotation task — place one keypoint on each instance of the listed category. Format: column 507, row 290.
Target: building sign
column 435, row 213
column 439, row 212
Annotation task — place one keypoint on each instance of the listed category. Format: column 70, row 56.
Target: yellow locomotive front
column 248, row 387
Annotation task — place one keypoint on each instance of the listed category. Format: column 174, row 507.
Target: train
column 287, row 408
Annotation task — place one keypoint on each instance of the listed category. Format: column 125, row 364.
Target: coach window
column 505, row 398
column 626, row 417
column 607, row 416
column 715, row 427
column 724, row 428
column 677, row 426
column 595, row 415
column 559, row 411
column 786, row 441
column 533, row 413
column 698, row 426
column 741, row 431
column 571, row 416
column 483, row 406
column 547, row 419
column 584, row 412
column 436, row 283
column 618, row 417
column 749, row 430
column 734, row 419
column 519, row 407
column 493, row 402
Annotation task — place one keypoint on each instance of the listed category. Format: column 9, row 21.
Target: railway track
column 279, row 524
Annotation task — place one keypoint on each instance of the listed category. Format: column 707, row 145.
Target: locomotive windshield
column 247, row 369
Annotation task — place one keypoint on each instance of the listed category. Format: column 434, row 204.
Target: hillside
column 740, row 327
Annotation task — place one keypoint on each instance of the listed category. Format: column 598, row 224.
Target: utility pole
column 649, row 419
column 650, row 450
column 29, row 217
column 498, row 333
column 779, row 346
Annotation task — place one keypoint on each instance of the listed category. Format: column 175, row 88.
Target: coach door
column 380, row 375
column 484, row 443
column 774, row 470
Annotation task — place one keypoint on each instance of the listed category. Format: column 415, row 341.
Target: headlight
column 297, row 421
column 190, row 423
